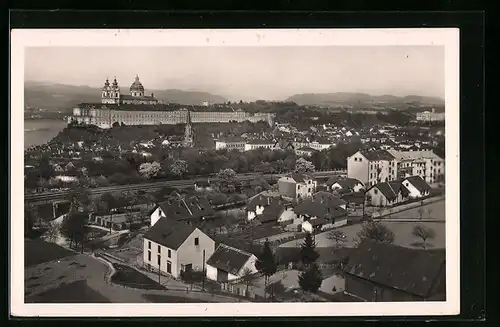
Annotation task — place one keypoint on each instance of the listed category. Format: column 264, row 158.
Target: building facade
column 430, row 116
column 136, row 108
column 372, row 167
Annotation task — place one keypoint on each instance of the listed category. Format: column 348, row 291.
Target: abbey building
column 137, row 108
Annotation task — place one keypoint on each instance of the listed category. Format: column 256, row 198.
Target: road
column 54, row 196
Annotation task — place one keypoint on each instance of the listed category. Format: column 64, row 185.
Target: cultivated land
column 402, row 230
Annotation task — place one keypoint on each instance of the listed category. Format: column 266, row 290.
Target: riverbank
column 40, row 131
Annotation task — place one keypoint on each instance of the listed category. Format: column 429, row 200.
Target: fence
column 411, row 205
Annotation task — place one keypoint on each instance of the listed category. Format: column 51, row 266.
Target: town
column 141, row 201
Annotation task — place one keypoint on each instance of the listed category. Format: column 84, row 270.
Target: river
column 38, row 132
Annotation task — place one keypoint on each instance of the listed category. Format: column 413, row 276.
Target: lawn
column 38, row 251
column 130, row 277
column 75, row 292
column 437, row 211
column 155, row 298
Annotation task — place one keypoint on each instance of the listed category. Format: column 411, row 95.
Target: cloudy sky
column 248, row 73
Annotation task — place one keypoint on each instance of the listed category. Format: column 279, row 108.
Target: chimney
column 152, row 95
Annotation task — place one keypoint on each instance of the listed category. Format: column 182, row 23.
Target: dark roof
column 260, row 141
column 408, row 270
column 186, row 208
column 169, row 232
column 348, row 183
column 377, row 155
column 419, row 183
column 321, row 205
column 306, row 148
column 229, row 259
column 300, row 178
column 332, row 180
column 259, row 200
column 272, row 211
column 318, row 221
column 260, row 181
column 391, row 189
column 130, row 97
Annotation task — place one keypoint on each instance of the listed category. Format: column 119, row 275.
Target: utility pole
column 203, row 276
column 159, row 272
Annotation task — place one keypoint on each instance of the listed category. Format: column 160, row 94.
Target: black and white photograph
column 254, row 168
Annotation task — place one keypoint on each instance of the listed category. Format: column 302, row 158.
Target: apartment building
column 372, row 167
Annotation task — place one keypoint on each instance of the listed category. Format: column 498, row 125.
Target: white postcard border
column 447, row 37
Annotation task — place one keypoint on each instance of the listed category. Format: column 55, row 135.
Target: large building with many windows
column 137, row 108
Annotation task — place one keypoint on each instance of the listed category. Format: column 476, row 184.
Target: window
column 169, row 253
column 159, row 259
column 360, row 159
column 149, row 255
column 149, row 245
column 159, row 249
column 196, row 241
column 375, row 191
column 169, row 267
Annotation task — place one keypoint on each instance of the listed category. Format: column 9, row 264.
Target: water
column 37, row 132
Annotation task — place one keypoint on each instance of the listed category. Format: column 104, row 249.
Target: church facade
column 137, row 108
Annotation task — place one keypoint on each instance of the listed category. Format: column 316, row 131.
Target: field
column 75, row 292
column 402, row 230
column 132, row 278
column 38, row 252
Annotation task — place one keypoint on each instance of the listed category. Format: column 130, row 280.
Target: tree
column 276, row 288
column 420, row 211
column 74, row 228
column 52, row 232
column 79, row 199
column 30, row 218
column 429, row 212
column 311, row 278
column 376, row 231
column 179, row 168
column 149, row 169
column 424, row 233
column 109, row 202
column 248, row 278
column 226, row 177
column 303, row 166
column 266, row 263
column 308, row 253
column 338, row 237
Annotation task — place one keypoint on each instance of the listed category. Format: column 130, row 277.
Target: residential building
column 257, row 144
column 174, row 246
column 228, row 263
column 372, row 167
column 297, row 186
column 416, row 187
column 380, row 272
column 386, row 194
column 190, row 209
column 267, row 209
column 323, row 210
column 230, row 144
column 425, row 164
column 344, row 185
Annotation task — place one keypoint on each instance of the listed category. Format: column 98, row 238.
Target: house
column 372, row 167
column 323, row 210
column 386, row 194
column 173, row 247
column 424, row 163
column 190, row 209
column 230, row 143
column 345, row 185
column 203, row 185
column 267, row 209
column 380, row 272
column 297, row 186
column 229, row 263
column 417, row 187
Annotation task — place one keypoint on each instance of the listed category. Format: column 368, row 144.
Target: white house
column 386, row 194
column 417, row 187
column 347, row 185
column 174, row 246
column 372, row 167
column 297, row 186
column 188, row 208
column 267, row 209
column 228, row 263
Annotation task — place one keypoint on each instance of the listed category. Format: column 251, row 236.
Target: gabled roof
column 348, row 183
column 229, row 259
column 321, row 205
column 408, row 270
column 186, row 208
column 261, row 141
column 332, row 180
column 169, row 232
column 377, row 155
column 300, row 178
column 272, row 211
column 419, row 183
column 391, row 189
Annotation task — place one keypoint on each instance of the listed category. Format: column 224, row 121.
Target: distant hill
column 62, row 97
column 347, row 99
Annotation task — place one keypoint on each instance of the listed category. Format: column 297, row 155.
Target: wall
column 287, row 215
column 358, row 169
column 156, row 215
column 188, row 253
column 163, row 257
column 211, row 272
column 377, row 197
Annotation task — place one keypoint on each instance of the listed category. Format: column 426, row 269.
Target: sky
column 248, row 73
